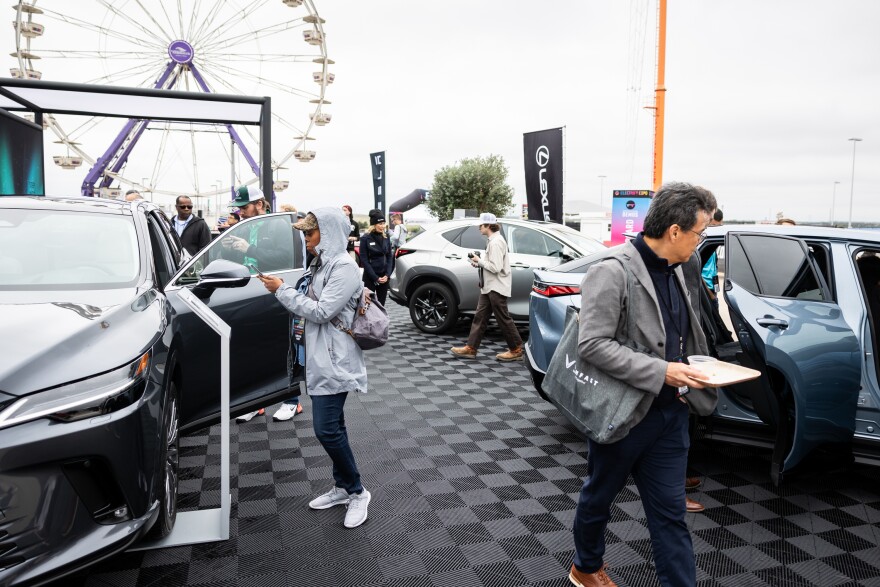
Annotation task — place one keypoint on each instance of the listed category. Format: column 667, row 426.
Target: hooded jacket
column 334, row 361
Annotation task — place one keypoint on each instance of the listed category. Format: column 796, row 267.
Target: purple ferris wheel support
column 97, row 171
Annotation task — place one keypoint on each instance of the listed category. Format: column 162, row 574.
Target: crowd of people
column 325, row 361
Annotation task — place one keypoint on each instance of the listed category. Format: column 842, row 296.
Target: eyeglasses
column 702, row 235
column 185, row 207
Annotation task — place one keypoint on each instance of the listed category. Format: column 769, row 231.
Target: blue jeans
column 328, row 419
column 655, row 453
column 294, row 401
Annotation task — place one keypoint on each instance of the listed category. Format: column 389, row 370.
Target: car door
column 530, row 249
column 793, row 331
column 259, row 324
column 454, row 261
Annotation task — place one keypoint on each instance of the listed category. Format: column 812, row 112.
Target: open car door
column 260, row 325
column 791, row 329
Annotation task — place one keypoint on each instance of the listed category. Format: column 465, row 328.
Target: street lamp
column 833, row 193
column 852, row 180
column 601, row 188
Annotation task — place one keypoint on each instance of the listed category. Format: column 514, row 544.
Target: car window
column 528, row 241
column 773, row 266
column 170, row 235
column 452, row 235
column 163, row 261
column 470, row 238
column 51, row 249
column 261, row 244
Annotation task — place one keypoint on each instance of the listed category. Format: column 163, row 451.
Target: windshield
column 584, row 244
column 50, row 249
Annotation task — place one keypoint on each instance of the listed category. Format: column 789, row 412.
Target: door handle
column 767, row 322
column 520, row 266
column 453, row 256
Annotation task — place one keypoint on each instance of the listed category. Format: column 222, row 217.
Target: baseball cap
column 487, row 218
column 245, row 195
column 310, row 222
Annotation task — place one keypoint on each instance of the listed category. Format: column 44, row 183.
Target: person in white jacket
column 324, row 301
column 495, row 286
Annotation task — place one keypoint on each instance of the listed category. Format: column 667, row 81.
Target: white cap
column 487, row 218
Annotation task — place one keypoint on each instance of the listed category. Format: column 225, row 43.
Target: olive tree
column 479, row 183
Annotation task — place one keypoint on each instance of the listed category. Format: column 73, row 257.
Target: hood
column 49, row 338
column 335, row 228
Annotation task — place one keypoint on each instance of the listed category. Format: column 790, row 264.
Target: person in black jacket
column 376, row 257
column 193, row 231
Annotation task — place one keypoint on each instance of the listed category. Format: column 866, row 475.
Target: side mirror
column 221, row 273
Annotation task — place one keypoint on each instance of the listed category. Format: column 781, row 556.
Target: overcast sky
column 761, row 98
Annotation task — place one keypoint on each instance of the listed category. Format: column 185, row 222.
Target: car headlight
column 87, row 398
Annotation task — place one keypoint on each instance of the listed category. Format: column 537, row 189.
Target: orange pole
column 660, row 96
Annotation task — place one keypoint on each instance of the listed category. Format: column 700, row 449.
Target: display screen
column 21, row 157
column 628, row 209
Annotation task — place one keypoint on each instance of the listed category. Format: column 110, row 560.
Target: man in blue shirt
column 710, row 269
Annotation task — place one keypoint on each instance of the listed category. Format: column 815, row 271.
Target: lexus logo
column 542, row 156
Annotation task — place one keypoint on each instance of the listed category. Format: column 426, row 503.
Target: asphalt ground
column 474, row 483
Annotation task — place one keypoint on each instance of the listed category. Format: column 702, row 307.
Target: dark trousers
column 328, row 420
column 381, row 289
column 655, row 453
column 493, row 303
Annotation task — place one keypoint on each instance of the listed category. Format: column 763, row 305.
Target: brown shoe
column 598, row 579
column 692, row 482
column 513, row 355
column 693, row 506
column 465, row 352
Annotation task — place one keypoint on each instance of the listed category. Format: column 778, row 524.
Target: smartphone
column 251, row 266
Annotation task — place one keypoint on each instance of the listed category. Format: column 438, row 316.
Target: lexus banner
column 377, row 162
column 542, row 152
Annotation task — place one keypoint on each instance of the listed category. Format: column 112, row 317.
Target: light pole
column 601, row 188
column 833, row 194
column 852, row 180
column 146, row 187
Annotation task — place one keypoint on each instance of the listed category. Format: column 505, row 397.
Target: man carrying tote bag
column 664, row 326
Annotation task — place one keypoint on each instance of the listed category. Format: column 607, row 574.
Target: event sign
column 377, row 162
column 628, row 209
column 542, row 155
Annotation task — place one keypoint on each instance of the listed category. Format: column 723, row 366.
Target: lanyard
column 677, row 328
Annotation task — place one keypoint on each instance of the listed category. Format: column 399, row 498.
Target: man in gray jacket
column 495, row 286
column 666, row 331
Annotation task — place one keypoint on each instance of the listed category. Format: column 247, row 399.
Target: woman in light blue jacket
column 324, row 303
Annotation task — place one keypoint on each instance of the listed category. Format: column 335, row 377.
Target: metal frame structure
column 143, row 104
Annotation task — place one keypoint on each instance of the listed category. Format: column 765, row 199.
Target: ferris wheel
column 271, row 48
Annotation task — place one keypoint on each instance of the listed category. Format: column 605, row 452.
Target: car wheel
column 170, row 465
column 432, row 308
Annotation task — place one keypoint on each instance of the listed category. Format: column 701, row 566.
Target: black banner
column 409, row 202
column 542, row 152
column 377, row 162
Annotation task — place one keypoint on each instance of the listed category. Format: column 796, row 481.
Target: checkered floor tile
column 474, row 483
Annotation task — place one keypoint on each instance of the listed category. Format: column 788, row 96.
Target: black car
column 102, row 364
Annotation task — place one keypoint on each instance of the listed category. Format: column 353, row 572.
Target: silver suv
column 433, row 277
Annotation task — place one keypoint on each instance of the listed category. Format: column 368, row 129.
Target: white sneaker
column 336, row 496
column 357, row 509
column 250, row 415
column 286, row 412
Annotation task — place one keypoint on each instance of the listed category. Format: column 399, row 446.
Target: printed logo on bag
column 579, row 376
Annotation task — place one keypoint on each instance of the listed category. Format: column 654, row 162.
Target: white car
column 432, row 275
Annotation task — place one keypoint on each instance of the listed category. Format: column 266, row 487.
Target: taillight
column 552, row 290
column 402, row 252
